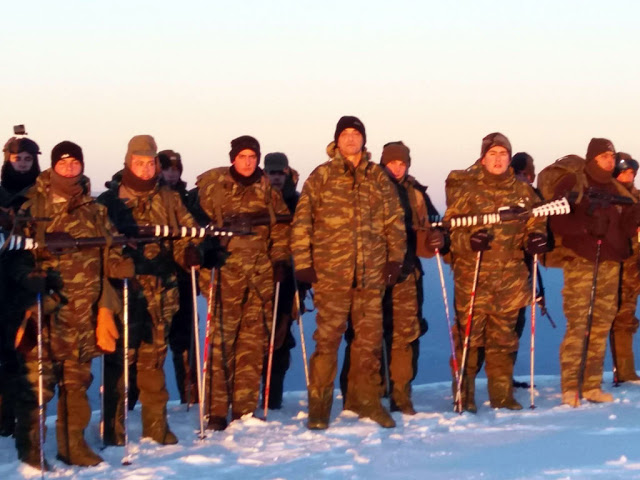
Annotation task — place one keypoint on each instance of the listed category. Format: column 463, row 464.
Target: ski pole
column 196, row 338
column 267, row 385
column 40, row 388
column 467, row 334
column 125, row 320
column 587, row 332
column 454, row 358
column 533, row 325
column 205, row 370
column 102, row 401
column 301, row 328
column 189, row 370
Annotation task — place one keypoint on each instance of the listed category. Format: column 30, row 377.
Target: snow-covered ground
column 549, row 442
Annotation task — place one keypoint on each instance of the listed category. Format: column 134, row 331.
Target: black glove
column 480, row 241
column 306, row 275
column 598, row 223
column 192, row 256
column 537, row 243
column 391, row 272
column 435, row 239
column 36, row 281
column 280, row 269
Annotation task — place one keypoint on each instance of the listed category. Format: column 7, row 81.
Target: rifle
column 599, row 199
column 507, row 214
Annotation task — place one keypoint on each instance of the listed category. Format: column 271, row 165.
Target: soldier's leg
column 27, row 433
column 603, row 313
column 578, row 276
column 229, row 296
column 501, row 343
column 180, row 344
column 252, row 343
column 366, row 350
column 406, row 329
column 625, row 323
column 333, row 304
column 344, row 371
column 9, row 367
column 74, row 413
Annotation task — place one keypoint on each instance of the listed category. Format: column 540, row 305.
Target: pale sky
column 438, row 75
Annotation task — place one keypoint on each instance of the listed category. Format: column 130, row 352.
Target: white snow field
column 549, row 442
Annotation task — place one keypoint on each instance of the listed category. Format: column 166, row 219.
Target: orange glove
column 106, row 331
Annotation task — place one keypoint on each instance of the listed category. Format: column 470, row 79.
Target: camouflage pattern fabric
column 347, row 225
column 578, row 277
column 244, row 289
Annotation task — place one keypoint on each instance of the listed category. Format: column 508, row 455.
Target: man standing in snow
column 348, row 240
column 502, row 287
column 595, row 231
column 625, row 323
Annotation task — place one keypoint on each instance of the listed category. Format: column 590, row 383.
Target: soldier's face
column 397, row 168
column 68, row 167
column 626, row 176
column 496, row 160
column 171, row 175
column 350, row 142
column 21, row 162
column 277, row 179
column 606, row 161
column 143, row 167
column 246, row 162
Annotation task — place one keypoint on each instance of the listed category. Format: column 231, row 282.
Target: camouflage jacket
column 160, row 206
column 348, row 222
column 474, row 191
column 222, row 198
column 83, row 271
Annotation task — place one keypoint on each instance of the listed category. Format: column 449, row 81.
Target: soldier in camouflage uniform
column 348, row 240
column 581, row 231
column 625, row 323
column 244, row 284
column 72, row 334
column 283, row 178
column 503, row 286
column 138, row 199
column 19, row 172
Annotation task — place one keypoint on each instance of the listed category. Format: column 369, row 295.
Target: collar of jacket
column 43, row 187
column 504, row 180
column 345, row 167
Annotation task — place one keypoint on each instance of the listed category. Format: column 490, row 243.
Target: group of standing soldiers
column 357, row 233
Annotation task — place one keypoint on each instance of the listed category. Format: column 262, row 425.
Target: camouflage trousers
column 578, row 277
column 241, row 324
column 72, row 377
column 335, row 305
column 625, row 319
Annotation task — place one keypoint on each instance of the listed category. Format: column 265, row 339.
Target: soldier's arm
column 206, row 195
column 458, row 204
column 534, row 224
column 185, row 219
column 280, row 232
column 394, row 226
column 302, row 226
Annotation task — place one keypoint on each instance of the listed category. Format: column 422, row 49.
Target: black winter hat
column 168, row 159
column 66, row 149
column 245, row 142
column 598, row 146
column 19, row 145
column 349, row 121
column 275, row 162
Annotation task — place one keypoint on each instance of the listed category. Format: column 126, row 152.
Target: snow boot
column 319, row 408
column 596, row 395
column 27, row 436
column 571, row 398
column 499, row 370
column 468, row 387
column 217, row 423
column 74, row 414
column 371, row 407
column 624, row 361
column 155, row 426
column 401, row 400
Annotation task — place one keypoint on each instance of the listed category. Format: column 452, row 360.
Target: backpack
column 551, row 175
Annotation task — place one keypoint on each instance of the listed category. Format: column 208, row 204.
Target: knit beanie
column 494, row 140
column 245, row 142
column 275, row 162
column 349, row 121
column 143, row 145
column 19, row 145
column 66, row 149
column 168, row 159
column 395, row 151
column 598, row 146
